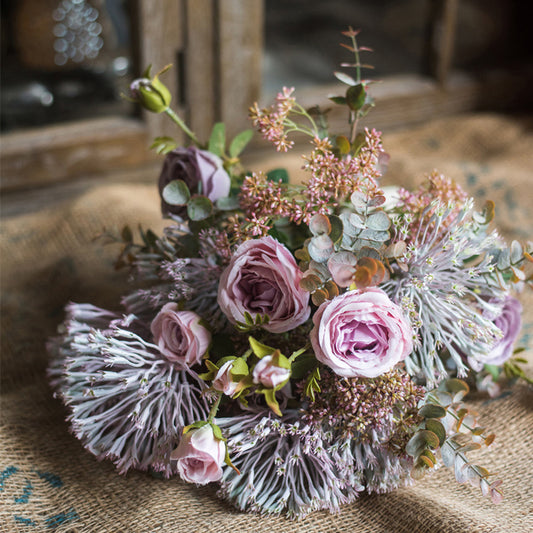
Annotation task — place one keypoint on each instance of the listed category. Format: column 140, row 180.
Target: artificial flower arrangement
column 297, row 344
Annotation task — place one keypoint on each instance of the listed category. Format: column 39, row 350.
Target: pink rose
column 195, row 167
column 263, row 278
column 179, row 335
column 223, row 380
column 200, row 456
column 268, row 374
column 361, row 333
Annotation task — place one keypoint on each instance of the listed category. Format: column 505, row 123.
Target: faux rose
column 268, row 374
column 263, row 278
column 223, row 381
column 195, row 167
column 361, row 333
column 509, row 321
column 200, row 456
column 180, row 336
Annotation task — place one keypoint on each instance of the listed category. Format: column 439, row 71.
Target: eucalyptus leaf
column 436, row 427
column 341, row 100
column 337, row 228
column 345, row 78
column 355, row 97
column 199, row 208
column 431, row 410
column 378, row 221
column 176, row 193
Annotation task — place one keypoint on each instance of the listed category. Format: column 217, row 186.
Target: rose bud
column 223, row 382
column 151, row 93
column 200, row 456
column 201, row 171
column 180, row 336
column 270, row 375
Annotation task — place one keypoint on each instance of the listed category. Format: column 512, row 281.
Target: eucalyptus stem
column 183, row 126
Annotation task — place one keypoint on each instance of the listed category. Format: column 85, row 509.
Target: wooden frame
column 216, row 46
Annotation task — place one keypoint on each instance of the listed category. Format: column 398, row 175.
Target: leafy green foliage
column 238, row 144
column 163, row 145
column 278, row 174
column 217, row 140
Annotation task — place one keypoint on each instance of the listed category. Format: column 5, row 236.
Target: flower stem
column 176, row 119
column 214, row 408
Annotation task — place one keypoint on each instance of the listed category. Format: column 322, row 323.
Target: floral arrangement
column 297, row 344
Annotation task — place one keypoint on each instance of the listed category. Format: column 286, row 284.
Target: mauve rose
column 263, row 278
column 179, row 335
column 509, row 321
column 200, row 456
column 269, row 375
column 361, row 333
column 194, row 166
column 223, row 382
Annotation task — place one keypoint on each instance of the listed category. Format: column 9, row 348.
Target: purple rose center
column 361, row 339
column 258, row 294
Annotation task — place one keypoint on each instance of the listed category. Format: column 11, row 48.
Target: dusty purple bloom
column 180, row 336
column 509, row 322
column 361, row 333
column 201, row 171
column 263, row 278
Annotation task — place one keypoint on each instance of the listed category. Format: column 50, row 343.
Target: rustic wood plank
column 161, row 32
column 240, row 42
column 61, row 152
column 444, row 40
column 200, row 66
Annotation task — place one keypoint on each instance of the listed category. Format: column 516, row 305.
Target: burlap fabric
column 48, row 482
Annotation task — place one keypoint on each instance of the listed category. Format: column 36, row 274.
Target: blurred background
column 65, row 64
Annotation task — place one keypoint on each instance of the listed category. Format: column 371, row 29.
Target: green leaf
column 199, row 208
column 260, row 349
column 278, row 174
column 337, row 228
column 431, row 410
column 239, row 368
column 436, row 427
column 217, row 141
column 340, row 100
column 227, row 203
column 217, row 432
column 312, row 384
column 341, row 76
column 176, row 193
column 272, row 402
column 303, row 365
column 163, row 145
column 239, row 142
column 420, row 441
column 343, row 144
column 456, row 385
column 355, row 97
column 127, row 234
